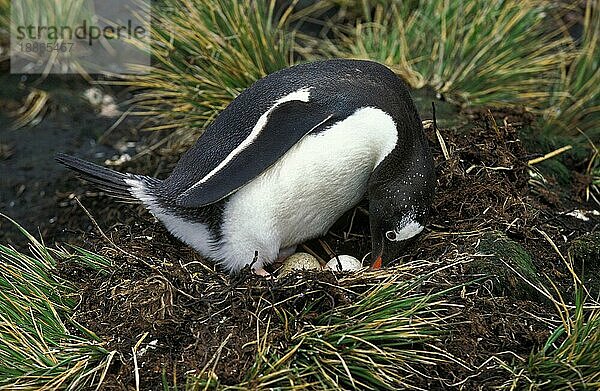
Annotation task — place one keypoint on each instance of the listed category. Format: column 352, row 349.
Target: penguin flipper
column 285, row 126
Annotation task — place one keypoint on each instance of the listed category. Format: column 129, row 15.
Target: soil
column 29, row 176
column 181, row 314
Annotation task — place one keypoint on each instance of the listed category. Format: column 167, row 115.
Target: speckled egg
column 344, row 263
column 299, row 261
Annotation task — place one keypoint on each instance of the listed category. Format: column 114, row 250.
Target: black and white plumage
column 286, row 159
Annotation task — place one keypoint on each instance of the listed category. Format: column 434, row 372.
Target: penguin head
column 398, row 212
column 393, row 228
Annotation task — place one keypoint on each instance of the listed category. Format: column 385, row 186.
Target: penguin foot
column 262, row 272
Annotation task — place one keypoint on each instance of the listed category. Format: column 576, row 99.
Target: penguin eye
column 391, row 235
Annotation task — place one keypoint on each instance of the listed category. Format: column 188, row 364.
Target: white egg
column 299, row 261
column 344, row 263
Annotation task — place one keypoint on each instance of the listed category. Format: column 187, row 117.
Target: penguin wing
column 273, row 135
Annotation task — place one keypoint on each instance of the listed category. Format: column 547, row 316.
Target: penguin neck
column 407, row 171
column 403, row 160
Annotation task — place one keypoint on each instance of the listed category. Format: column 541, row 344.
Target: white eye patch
column 391, row 235
column 411, row 229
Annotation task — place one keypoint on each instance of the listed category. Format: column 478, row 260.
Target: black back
column 338, row 88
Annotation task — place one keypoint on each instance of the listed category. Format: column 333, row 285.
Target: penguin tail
column 124, row 186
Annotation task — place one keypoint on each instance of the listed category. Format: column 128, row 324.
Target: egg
column 344, row 263
column 299, row 261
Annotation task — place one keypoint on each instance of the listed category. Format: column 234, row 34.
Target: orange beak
column 377, row 264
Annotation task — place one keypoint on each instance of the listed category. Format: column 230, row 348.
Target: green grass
column 379, row 342
column 570, row 359
column 384, row 339
column 204, row 54
column 487, row 53
column 478, row 53
column 474, row 52
column 576, row 105
column 41, row 347
column 374, row 343
column 4, row 13
column 52, row 14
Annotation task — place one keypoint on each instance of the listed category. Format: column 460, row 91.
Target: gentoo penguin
column 286, row 159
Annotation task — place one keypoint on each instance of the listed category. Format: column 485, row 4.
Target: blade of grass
column 40, row 347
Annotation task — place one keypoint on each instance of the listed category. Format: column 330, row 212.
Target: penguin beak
column 377, row 253
column 377, row 263
column 385, row 252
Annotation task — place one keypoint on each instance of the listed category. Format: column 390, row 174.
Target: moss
column 585, row 251
column 508, row 266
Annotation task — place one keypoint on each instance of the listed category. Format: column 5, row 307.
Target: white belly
column 307, row 190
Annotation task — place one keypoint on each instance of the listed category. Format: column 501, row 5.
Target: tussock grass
column 204, row 54
column 576, row 105
column 41, row 348
column 473, row 52
column 4, row 12
column 390, row 336
column 570, row 358
column 47, row 14
column 378, row 342
column 52, row 14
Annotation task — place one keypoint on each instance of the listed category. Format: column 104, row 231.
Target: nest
column 433, row 319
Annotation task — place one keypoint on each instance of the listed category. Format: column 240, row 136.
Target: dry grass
column 204, row 55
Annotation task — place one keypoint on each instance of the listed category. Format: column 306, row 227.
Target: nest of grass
column 461, row 308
